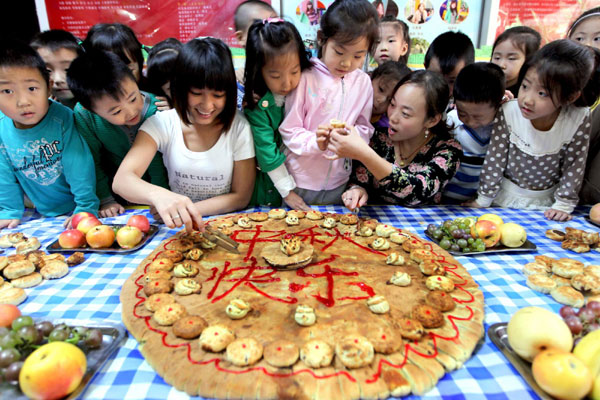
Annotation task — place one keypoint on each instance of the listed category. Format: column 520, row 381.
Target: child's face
column 23, row 95
column 536, row 103
column 342, row 59
column 475, row 115
column 408, row 113
column 391, row 45
column 587, row 32
column 126, row 110
column 256, row 13
column 382, row 92
column 205, row 105
column 134, row 67
column 510, row 58
column 282, row 74
column 434, row 65
column 57, row 63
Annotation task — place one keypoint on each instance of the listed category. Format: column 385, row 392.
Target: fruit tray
column 54, row 247
column 527, row 246
column 113, row 334
column 498, row 335
column 589, row 220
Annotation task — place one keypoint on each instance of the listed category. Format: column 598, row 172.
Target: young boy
column 384, row 79
column 58, row 49
column 394, row 41
column 448, row 54
column 478, row 93
column 41, row 153
column 110, row 111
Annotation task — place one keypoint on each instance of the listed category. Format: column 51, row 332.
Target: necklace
column 404, row 160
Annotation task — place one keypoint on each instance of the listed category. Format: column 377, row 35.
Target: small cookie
column 337, row 124
column 223, row 223
column 277, row 213
column 428, row 316
column 207, row 244
column 335, row 216
column 410, row 245
column 568, row 296
column 244, row 352
column 20, row 257
column 18, row 269
column 421, row 255
column 411, row 329
column 16, row 237
column 316, row 353
column 186, row 269
column 380, row 244
column 4, row 262
column 54, row 269
column 541, row 283
column 173, row 255
column 555, row 234
column 384, row 340
column 244, row 222
column 75, row 259
column 36, row 257
column 585, row 282
column 163, row 264
column 4, row 242
column 297, row 213
column 181, row 245
column 399, row 237
column 432, row 267
column 378, row 304
column 394, row 259
column 258, row 216
column 28, row 245
column 292, row 220
column 314, row 215
column 168, row 314
column 364, row 231
column 158, row 286
column 440, row 300
column 237, row 309
column 281, row 353
column 155, row 275
column 187, row 286
column 566, row 269
column 400, row 279
column 385, row 231
column 533, row 268
column 329, row 223
column 349, row 219
column 577, row 247
column 436, row 282
column 545, row 260
column 189, row 327
column 194, row 254
column 570, row 261
column 27, row 281
column 589, row 270
column 354, row 351
column 12, row 295
column 305, row 315
column 216, row 338
column 560, row 281
column 158, row 300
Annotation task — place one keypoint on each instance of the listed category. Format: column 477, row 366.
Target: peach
column 100, row 236
column 140, row 222
column 88, row 223
column 78, row 217
column 71, row 239
column 561, row 374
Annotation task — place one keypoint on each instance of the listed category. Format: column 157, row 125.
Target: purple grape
column 574, row 324
column 593, row 327
column 12, row 372
column 567, row 311
column 586, row 315
column 456, row 233
column 595, row 307
column 467, row 236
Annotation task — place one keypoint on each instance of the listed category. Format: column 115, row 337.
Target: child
column 394, row 41
column 448, row 54
column 161, row 60
column 206, row 145
column 478, row 93
column 586, row 28
column 41, row 153
column 513, row 48
column 334, row 88
column 536, row 159
column 110, row 111
column 58, row 48
column 275, row 58
column 384, row 79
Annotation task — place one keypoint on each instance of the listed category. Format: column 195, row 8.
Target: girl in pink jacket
column 335, row 88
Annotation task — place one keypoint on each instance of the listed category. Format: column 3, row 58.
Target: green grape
column 481, row 247
column 462, row 243
column 445, row 244
column 22, row 321
column 466, row 250
column 470, row 241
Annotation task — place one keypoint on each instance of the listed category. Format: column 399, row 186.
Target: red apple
column 71, row 239
column 129, row 236
column 487, row 231
column 78, row 217
column 100, row 236
column 140, row 222
column 88, row 223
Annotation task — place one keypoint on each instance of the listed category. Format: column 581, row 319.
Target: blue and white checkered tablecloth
column 91, row 291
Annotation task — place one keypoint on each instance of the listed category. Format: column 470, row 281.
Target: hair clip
column 272, row 19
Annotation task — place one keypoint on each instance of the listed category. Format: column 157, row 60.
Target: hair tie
column 272, row 19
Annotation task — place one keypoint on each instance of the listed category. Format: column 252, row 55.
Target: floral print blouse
column 420, row 182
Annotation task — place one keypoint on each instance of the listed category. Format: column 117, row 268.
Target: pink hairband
column 272, row 19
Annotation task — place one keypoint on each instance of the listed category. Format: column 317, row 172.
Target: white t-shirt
column 205, row 174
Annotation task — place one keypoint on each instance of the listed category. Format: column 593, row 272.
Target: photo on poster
column 454, row 11
column 418, row 11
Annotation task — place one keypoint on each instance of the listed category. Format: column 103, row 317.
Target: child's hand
column 508, row 95
column 162, row 104
column 295, row 202
column 557, row 215
column 323, row 137
column 67, row 224
column 177, row 210
column 354, row 198
column 346, row 143
column 9, row 223
column 111, row 209
column 472, row 203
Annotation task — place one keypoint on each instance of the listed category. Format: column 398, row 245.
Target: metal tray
column 499, row 337
column 54, row 247
column 112, row 336
column 527, row 246
column 589, row 220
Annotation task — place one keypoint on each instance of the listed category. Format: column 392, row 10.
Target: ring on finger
column 177, row 216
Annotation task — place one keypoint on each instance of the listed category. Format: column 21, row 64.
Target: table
column 91, row 291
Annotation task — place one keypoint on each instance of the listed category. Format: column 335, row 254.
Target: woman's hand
column 295, row 202
column 346, row 144
column 9, row 223
column 557, row 215
column 354, row 198
column 111, row 209
column 177, row 210
column 162, row 104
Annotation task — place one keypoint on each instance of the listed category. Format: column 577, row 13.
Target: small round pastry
column 258, row 216
column 4, row 262
column 237, row 309
column 354, row 351
column 181, row 245
column 400, row 279
column 161, row 264
column 281, row 353
column 28, row 245
column 380, row 244
column 384, row 340
column 428, row 316
column 186, row 269
column 223, row 223
column 168, row 314
column 589, row 270
column 566, row 269
column 189, row 327
column 568, row 296
column 436, row 282
column 194, row 254
column 4, row 242
column 155, row 275
column 364, row 231
column 577, row 247
column 297, row 213
column 52, row 257
column 27, row 281
column 378, row 304
column 412, row 244
column 244, row 222
column 19, row 257
column 292, row 220
column 194, row 236
column 383, row 230
column 420, row 255
column 36, row 257
column 316, row 354
column 314, row 215
column 173, row 255
column 18, row 269
column 585, row 282
column 560, row 281
column 216, row 338
column 329, row 223
column 16, row 237
column 335, row 216
column 207, row 244
column 570, row 262
column 187, row 286
column 75, row 259
column 349, row 219
column 305, row 315
column 158, row 300
column 244, row 352
column 555, row 234
column 545, row 260
column 432, row 267
column 277, row 213
column 534, row 268
column 411, row 329
column 158, row 286
column 440, row 300
column 12, row 295
column 541, row 283
column 394, row 259
column 399, row 237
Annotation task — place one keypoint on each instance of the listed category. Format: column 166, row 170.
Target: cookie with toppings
column 436, row 282
column 181, row 245
column 173, row 255
column 187, row 286
column 156, row 275
column 384, row 339
column 428, row 316
column 432, row 267
column 281, row 353
column 158, row 286
column 314, row 215
column 185, row 269
column 378, row 304
column 411, row 329
column 349, row 219
column 440, row 300
column 168, row 314
column 258, row 216
column 297, row 213
column 277, row 213
column 189, row 327
column 316, row 353
column 568, row 296
column 384, row 230
column 161, row 264
column 216, row 338
column 556, row 235
column 354, row 351
column 244, row 352
column 155, row 301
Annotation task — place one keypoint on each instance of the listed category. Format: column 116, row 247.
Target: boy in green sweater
column 110, row 111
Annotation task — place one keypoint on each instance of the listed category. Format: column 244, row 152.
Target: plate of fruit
column 89, row 234
column 486, row 234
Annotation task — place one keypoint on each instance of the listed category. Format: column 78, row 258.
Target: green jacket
column 264, row 120
column 110, row 143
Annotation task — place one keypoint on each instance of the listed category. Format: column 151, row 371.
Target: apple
column 8, row 313
column 512, row 235
column 88, row 223
column 534, row 329
column 561, row 374
column 129, row 236
column 53, row 371
column 100, row 236
column 595, row 213
column 487, row 231
column 78, row 217
column 491, row 217
column 140, row 222
column 71, row 239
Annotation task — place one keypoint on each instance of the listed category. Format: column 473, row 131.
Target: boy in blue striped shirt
column 478, row 93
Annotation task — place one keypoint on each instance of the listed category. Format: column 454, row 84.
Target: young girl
column 159, row 69
column 275, row 58
column 207, row 146
column 513, row 48
column 384, row 79
column 536, row 158
column 586, row 28
column 334, row 88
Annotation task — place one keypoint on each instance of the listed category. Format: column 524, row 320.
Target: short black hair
column 450, row 48
column 523, row 37
column 241, row 17
column 345, row 21
column 117, row 38
column 15, row 53
column 265, row 42
column 480, row 82
column 56, row 39
column 96, row 74
column 160, row 64
column 204, row 63
column 391, row 71
column 402, row 27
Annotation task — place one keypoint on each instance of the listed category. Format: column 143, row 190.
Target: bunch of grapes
column 455, row 235
column 582, row 322
column 26, row 336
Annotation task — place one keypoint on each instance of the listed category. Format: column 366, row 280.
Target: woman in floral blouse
column 411, row 162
